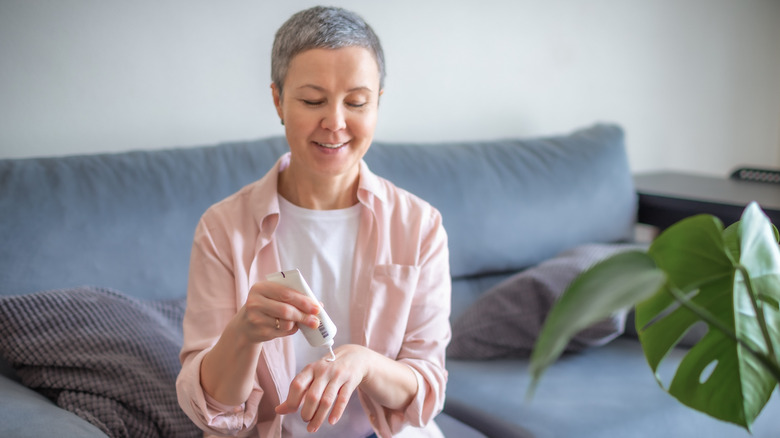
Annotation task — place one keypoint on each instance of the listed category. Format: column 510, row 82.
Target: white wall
column 695, row 83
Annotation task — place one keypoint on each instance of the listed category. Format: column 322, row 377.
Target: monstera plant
column 694, row 271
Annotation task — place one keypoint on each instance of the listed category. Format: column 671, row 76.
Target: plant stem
column 769, row 362
column 759, row 312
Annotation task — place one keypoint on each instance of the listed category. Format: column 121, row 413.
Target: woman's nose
column 334, row 120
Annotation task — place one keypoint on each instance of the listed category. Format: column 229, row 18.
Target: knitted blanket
column 109, row 358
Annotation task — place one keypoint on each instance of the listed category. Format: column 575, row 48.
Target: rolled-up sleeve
column 211, row 303
column 427, row 332
column 209, row 414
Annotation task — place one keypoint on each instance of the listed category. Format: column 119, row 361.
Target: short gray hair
column 322, row 28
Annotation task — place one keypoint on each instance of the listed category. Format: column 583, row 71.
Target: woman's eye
column 320, row 102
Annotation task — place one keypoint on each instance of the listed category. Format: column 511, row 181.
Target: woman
column 376, row 255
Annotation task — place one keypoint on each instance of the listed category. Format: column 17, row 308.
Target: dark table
column 667, row 197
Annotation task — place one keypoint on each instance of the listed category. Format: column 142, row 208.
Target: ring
column 277, row 324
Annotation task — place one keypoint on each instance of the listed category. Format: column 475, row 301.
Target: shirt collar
column 370, row 186
column 265, row 198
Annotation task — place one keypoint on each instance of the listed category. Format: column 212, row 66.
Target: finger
column 311, row 401
column 285, row 326
column 265, row 309
column 298, row 389
column 285, row 408
column 291, row 325
column 290, row 296
column 284, row 303
column 341, row 404
column 258, row 326
column 326, row 402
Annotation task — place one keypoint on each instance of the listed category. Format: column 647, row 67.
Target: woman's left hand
column 324, row 387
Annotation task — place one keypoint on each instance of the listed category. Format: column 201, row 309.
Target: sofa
column 94, row 253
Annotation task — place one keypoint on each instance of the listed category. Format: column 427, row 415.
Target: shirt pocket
column 390, row 303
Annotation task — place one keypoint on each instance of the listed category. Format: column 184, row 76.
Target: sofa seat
column 608, row 391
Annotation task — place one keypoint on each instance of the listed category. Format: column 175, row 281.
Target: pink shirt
column 399, row 305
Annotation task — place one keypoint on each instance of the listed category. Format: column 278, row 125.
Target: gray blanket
column 108, row 358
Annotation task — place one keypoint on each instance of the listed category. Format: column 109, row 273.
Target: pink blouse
column 399, row 305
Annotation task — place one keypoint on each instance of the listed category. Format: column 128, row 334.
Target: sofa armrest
column 25, row 413
column 490, row 425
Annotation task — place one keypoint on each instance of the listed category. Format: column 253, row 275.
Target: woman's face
column 329, row 107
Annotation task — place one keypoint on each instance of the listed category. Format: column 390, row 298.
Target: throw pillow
column 109, row 358
column 506, row 320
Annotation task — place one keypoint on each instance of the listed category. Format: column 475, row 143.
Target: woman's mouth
column 330, row 145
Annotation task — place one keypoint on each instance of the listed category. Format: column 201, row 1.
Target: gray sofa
column 111, row 233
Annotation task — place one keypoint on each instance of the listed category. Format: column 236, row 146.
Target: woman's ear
column 277, row 95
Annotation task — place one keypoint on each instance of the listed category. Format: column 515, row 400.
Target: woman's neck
column 327, row 193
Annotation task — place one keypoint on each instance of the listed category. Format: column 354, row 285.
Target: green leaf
column 693, row 271
column 760, row 257
column 692, row 252
column 717, row 376
column 731, row 239
column 611, row 285
column 760, row 253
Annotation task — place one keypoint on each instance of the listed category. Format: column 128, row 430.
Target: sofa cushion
column 506, row 320
column 108, row 358
column 25, row 413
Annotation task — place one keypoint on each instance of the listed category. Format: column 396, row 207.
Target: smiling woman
column 319, row 210
column 329, row 109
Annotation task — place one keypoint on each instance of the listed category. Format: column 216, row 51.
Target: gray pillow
column 506, row 320
column 109, row 358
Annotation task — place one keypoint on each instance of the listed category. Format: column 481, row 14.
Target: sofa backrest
column 123, row 220
column 510, row 204
column 126, row 220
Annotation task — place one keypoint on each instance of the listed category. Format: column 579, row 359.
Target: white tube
column 323, row 335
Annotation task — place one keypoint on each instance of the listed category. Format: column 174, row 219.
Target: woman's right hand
column 273, row 310
column 228, row 370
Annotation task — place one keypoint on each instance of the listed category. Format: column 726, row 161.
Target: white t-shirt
column 321, row 244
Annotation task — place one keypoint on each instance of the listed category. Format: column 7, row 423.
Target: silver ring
column 278, row 327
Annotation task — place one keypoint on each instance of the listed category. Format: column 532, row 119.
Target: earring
column 282, row 120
